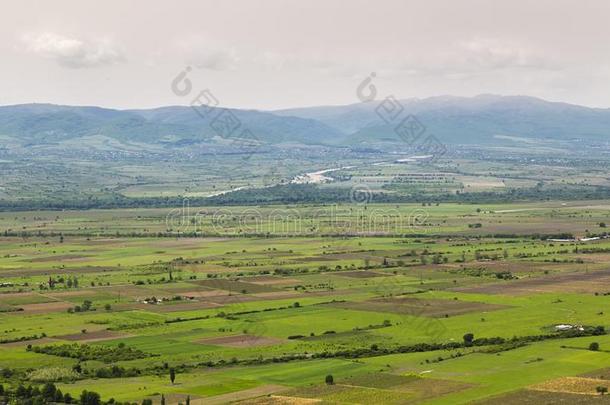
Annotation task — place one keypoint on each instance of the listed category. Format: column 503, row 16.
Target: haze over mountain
column 47, row 123
column 465, row 120
column 483, row 119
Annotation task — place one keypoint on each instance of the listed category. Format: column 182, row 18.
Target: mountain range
column 483, row 119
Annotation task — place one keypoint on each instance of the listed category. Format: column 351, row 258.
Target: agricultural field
column 338, row 303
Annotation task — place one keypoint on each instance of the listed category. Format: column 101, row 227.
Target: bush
column 52, row 374
column 594, row 346
column 90, row 398
column 105, row 354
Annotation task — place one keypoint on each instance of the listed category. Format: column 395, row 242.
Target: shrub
column 52, row 374
column 105, row 354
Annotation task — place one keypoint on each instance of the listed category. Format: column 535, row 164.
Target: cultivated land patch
column 420, row 388
column 280, row 400
column 271, row 280
column 380, row 388
column 435, row 308
column 243, row 396
column 176, row 306
column 345, row 394
column 278, row 295
column 75, row 293
column 531, row 397
column 175, row 398
column 575, row 282
column 95, row 336
column 602, row 374
column 50, row 272
column 24, row 298
column 44, row 308
column 571, row 385
column 235, row 286
column 240, row 341
column 132, row 291
column 361, row 274
column 233, row 299
column 518, row 268
column 205, row 293
column 58, row 258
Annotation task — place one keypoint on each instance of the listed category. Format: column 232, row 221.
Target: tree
column 329, row 380
column 188, row 400
column 436, row 259
column 594, row 346
column 67, row 398
column 468, row 338
column 87, row 305
column 90, row 398
column 21, row 391
column 147, row 401
column 172, row 375
column 601, row 389
column 48, row 391
column 162, row 399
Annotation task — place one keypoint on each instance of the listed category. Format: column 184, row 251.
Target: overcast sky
column 283, row 53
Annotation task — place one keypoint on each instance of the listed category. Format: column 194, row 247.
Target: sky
column 277, row 54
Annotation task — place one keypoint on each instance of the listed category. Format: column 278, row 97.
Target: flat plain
column 396, row 311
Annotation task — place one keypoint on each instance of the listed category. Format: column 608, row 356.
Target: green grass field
column 262, row 305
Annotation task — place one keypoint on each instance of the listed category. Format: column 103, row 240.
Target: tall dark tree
column 172, row 374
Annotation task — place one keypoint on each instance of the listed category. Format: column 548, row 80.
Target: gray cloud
column 206, row 54
column 279, row 54
column 72, row 52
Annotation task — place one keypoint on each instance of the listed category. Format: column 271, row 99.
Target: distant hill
column 33, row 124
column 484, row 119
column 465, row 120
